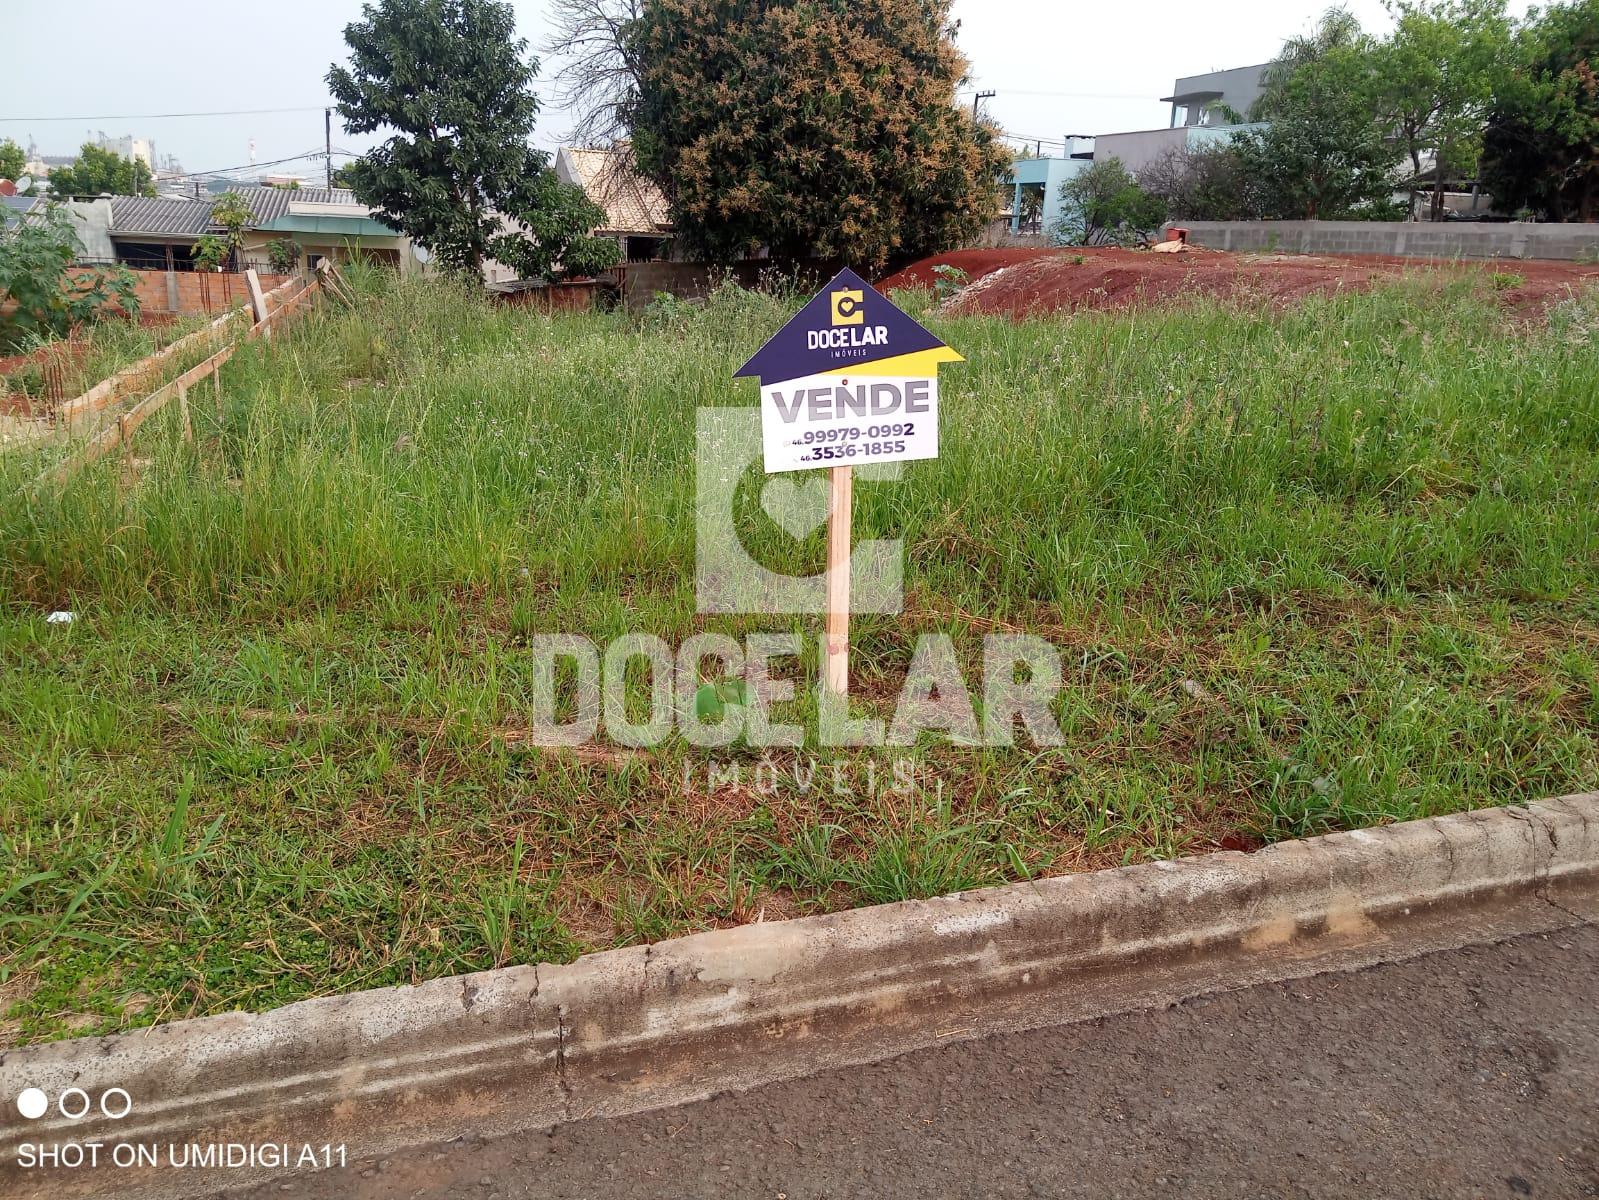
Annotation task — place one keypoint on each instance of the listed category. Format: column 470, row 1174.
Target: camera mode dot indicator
column 32, row 1102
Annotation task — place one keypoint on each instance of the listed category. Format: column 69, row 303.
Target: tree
column 48, row 295
column 1103, row 205
column 815, row 130
column 459, row 176
column 1206, row 183
column 553, row 221
column 342, row 175
column 1439, row 73
column 1322, row 152
column 13, row 161
column 98, row 171
column 1541, row 146
column 233, row 213
column 598, row 77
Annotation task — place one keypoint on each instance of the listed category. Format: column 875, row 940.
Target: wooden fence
column 287, row 298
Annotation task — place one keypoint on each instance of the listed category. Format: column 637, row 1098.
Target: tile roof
column 17, row 207
column 271, row 203
column 183, row 218
column 146, row 214
column 631, row 202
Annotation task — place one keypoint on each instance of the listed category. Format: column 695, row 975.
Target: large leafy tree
column 459, row 175
column 1322, row 152
column 815, row 128
column 13, row 161
column 98, row 170
column 1438, row 76
column 1541, row 147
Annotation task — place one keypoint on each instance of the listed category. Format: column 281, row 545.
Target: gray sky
column 1058, row 68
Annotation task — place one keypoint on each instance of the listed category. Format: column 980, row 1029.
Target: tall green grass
column 1311, row 569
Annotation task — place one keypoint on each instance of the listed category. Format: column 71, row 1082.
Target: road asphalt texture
column 1466, row 1073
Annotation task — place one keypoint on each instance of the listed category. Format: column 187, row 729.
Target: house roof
column 270, row 203
column 148, row 214
column 190, row 218
column 16, row 207
column 631, row 202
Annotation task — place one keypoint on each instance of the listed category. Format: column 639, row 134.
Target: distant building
column 635, row 211
column 1035, row 183
column 1205, row 109
column 127, row 146
column 40, row 165
column 143, row 149
column 153, row 233
column 1206, row 99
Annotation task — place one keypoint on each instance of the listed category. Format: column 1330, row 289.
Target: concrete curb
column 651, row 1026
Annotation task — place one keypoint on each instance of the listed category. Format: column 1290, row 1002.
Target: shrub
column 51, row 298
column 947, row 280
column 285, row 255
column 1104, row 206
column 209, row 252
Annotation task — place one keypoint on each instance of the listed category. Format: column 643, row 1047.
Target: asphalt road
column 1467, row 1073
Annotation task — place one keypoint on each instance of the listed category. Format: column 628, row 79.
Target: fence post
column 258, row 303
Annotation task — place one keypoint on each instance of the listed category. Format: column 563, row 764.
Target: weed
column 947, row 280
column 1309, row 569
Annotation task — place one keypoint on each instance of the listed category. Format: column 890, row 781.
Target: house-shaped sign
column 849, row 380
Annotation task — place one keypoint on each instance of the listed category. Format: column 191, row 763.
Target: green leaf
column 707, row 703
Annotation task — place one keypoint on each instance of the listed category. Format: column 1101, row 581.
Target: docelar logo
column 849, row 307
column 727, row 577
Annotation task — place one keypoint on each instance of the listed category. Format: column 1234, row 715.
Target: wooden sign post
column 835, row 665
column 849, row 380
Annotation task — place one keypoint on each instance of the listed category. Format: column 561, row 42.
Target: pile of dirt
column 1024, row 282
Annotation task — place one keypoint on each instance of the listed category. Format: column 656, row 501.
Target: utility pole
column 978, row 99
column 327, row 136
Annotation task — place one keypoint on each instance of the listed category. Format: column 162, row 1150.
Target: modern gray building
column 1200, row 99
column 1202, row 112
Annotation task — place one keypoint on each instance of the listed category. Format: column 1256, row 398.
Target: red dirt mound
column 1020, row 282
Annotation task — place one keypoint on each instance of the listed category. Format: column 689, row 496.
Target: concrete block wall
column 1406, row 239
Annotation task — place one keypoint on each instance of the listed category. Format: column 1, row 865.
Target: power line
column 1068, row 95
column 226, row 112
column 234, row 112
column 273, row 162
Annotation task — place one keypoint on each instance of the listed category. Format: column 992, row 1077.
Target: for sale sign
column 847, row 420
column 850, row 380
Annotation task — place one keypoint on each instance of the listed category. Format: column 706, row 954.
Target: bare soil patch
column 1027, row 282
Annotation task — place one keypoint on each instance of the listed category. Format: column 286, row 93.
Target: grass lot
column 107, row 347
column 1312, row 570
